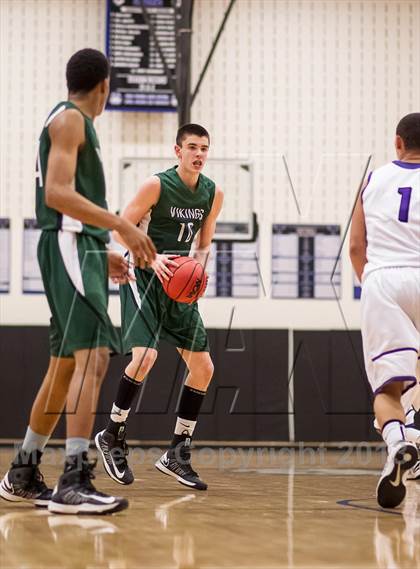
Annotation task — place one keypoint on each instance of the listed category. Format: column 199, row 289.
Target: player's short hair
column 190, row 128
column 409, row 130
column 85, row 69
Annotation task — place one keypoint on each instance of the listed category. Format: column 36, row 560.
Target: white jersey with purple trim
column 391, row 204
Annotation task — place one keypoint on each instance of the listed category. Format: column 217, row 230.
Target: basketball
column 188, row 282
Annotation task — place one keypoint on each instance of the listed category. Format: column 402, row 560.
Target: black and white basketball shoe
column 114, row 452
column 75, row 493
column 23, row 482
column 391, row 488
column 414, row 473
column 176, row 462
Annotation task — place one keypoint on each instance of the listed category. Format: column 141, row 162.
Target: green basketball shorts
column 148, row 315
column 74, row 271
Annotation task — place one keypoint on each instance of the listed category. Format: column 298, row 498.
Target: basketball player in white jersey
column 385, row 253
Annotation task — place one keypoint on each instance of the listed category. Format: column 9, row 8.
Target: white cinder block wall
column 321, row 82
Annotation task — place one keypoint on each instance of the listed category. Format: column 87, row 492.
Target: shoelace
column 38, row 479
column 123, row 445
column 87, row 474
column 185, row 455
column 121, row 442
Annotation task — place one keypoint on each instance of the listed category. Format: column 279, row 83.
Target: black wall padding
column 332, row 396
column 247, row 399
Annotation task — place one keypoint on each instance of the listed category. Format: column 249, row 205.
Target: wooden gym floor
column 264, row 509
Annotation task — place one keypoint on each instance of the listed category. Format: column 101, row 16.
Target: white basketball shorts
column 391, row 326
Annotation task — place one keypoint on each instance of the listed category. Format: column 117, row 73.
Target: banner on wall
column 31, row 274
column 233, row 266
column 233, row 270
column 303, row 259
column 4, row 255
column 138, row 80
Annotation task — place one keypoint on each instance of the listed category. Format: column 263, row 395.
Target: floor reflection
column 255, row 518
column 162, row 512
column 183, row 542
column 397, row 541
column 36, row 539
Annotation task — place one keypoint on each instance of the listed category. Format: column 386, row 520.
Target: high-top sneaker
column 391, row 489
column 114, row 451
column 176, row 462
column 24, row 482
column 414, row 472
column 75, row 493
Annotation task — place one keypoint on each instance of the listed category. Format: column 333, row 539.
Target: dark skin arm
column 67, row 137
column 358, row 242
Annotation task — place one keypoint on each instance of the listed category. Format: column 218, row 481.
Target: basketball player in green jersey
column 75, row 265
column 176, row 205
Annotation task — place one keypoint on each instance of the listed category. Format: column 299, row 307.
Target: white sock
column 34, row 441
column 393, row 432
column 119, row 415
column 184, row 427
column 412, row 435
column 76, row 445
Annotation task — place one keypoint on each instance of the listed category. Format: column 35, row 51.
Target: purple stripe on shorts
column 410, row 378
column 393, row 351
column 408, row 165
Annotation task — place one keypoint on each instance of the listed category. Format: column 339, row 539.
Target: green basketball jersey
column 89, row 179
column 180, row 212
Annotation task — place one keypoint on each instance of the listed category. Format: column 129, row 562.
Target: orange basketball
column 188, row 282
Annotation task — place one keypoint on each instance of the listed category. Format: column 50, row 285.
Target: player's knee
column 141, row 364
column 208, row 370
column 202, row 374
column 100, row 366
column 60, row 372
column 102, row 362
column 95, row 360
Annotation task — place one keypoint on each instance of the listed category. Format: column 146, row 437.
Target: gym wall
column 252, row 398
column 322, row 83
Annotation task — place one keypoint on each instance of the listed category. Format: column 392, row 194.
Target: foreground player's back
column 89, row 179
column 391, row 205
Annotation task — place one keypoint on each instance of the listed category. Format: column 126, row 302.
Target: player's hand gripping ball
column 189, row 280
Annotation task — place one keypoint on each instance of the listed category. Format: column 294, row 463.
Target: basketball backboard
column 236, row 221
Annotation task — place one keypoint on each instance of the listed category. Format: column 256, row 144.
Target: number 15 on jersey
column 188, row 230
